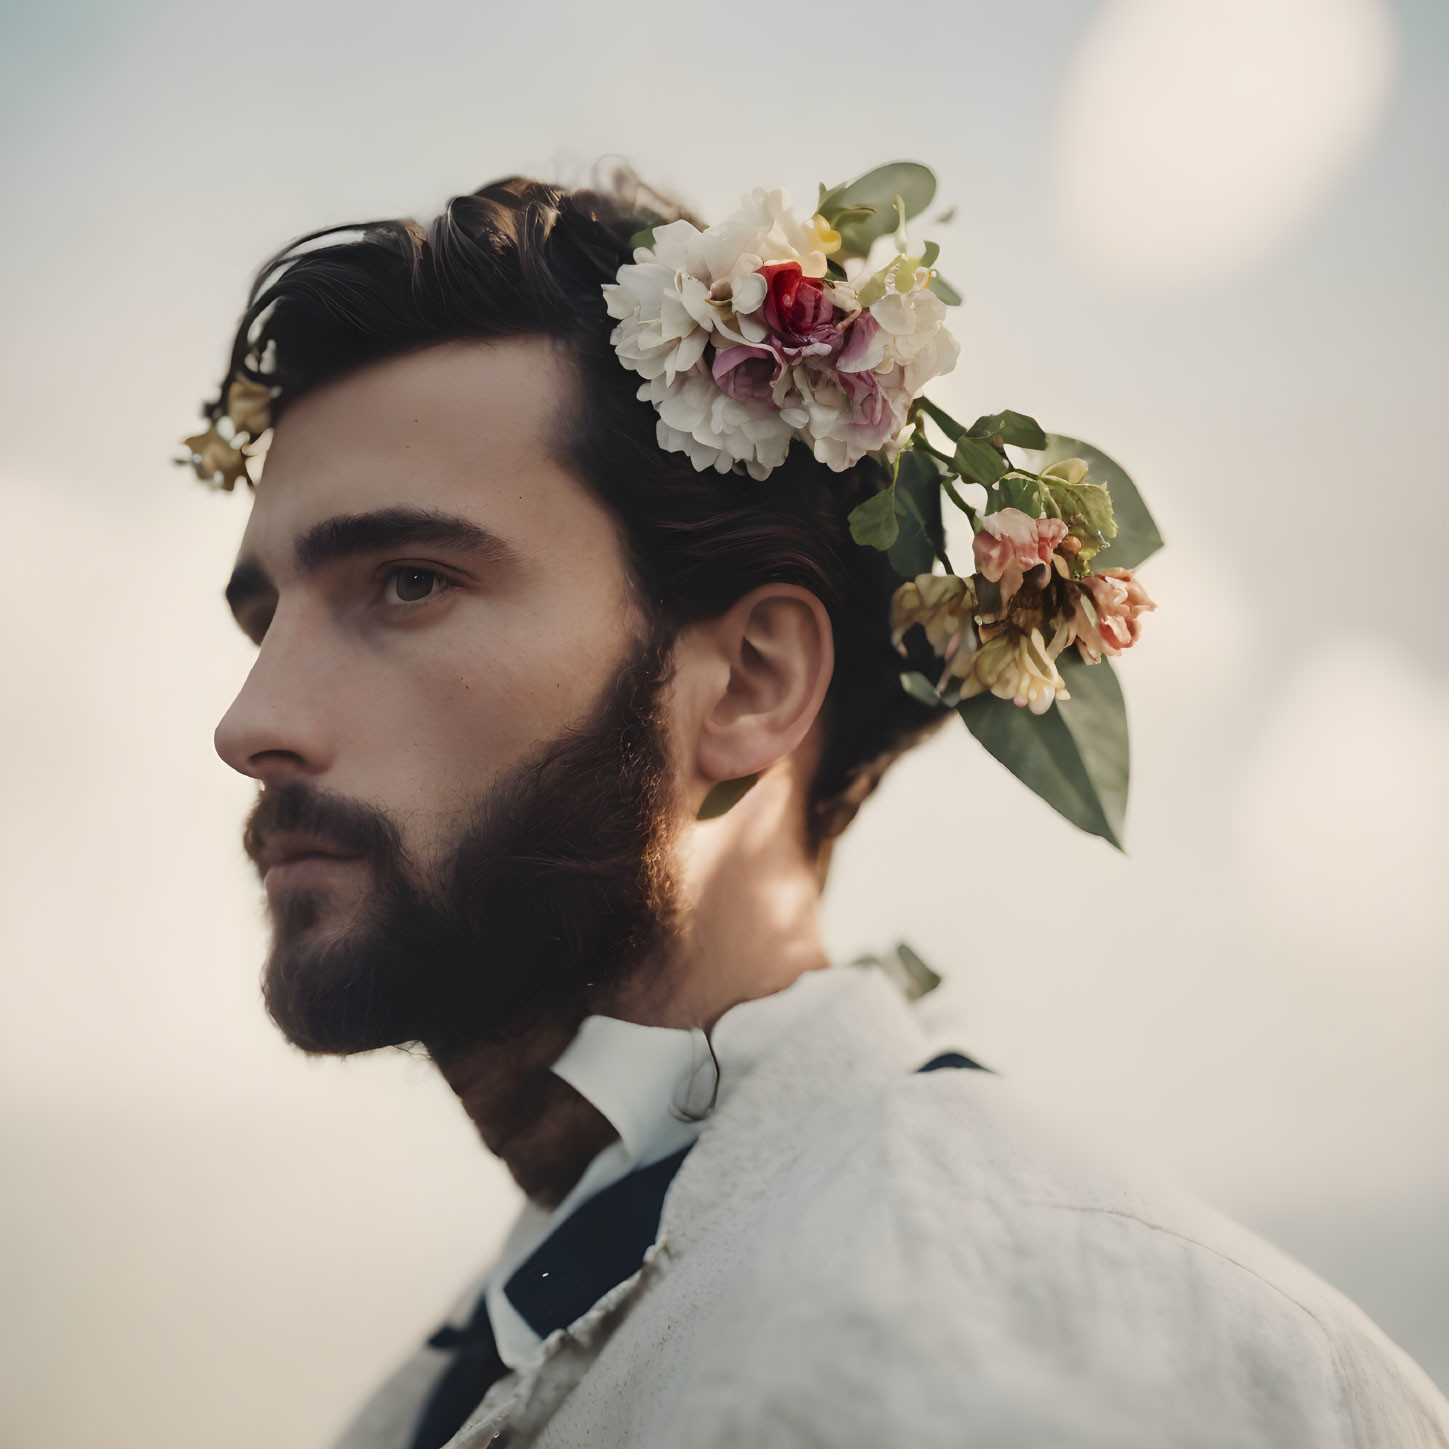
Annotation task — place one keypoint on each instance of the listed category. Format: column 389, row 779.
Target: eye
column 414, row 584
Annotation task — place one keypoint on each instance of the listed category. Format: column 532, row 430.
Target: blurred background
column 1207, row 236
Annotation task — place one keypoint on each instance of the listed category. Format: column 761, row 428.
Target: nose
column 275, row 728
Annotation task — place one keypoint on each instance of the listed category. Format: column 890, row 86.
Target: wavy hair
column 519, row 257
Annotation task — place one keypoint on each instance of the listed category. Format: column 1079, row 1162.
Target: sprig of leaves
column 878, row 203
column 978, row 456
column 1076, row 755
column 904, row 519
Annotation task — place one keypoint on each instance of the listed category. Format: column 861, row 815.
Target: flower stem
column 962, row 504
column 921, row 443
column 942, row 420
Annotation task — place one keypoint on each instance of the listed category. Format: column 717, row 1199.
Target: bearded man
column 555, row 734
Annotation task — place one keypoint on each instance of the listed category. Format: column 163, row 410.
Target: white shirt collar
column 654, row 1084
column 648, row 1081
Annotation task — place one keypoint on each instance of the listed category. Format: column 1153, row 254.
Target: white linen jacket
column 854, row 1254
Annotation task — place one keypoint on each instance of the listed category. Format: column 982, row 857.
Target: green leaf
column 913, row 183
column 1137, row 537
column 944, row 290
column 979, row 462
column 873, row 523
column 851, row 214
column 920, row 688
column 899, row 273
column 928, row 257
column 1075, row 756
column 724, row 796
column 922, row 978
column 1096, row 714
column 942, row 420
column 1014, row 428
column 643, row 238
column 902, row 237
column 1018, row 490
column 1086, row 508
column 918, row 513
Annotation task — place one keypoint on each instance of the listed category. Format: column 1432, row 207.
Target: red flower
column 799, row 313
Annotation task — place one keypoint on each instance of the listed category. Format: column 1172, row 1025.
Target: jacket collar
column 850, row 1029
column 831, row 1036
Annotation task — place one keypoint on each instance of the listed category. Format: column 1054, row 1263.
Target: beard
column 560, row 880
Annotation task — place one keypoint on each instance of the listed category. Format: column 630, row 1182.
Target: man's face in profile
column 457, row 711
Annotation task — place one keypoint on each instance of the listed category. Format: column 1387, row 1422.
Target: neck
column 544, row 1131
column 751, row 927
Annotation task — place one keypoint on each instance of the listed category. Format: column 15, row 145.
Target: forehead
column 468, row 427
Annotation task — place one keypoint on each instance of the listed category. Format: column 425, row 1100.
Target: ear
column 772, row 655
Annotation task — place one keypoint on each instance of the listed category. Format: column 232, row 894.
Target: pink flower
column 850, row 413
column 1011, row 543
column 870, row 404
column 1119, row 600
column 799, row 313
column 747, row 374
column 864, row 345
column 1104, row 616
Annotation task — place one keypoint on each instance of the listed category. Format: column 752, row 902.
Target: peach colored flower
column 1104, row 616
column 1079, row 627
column 1120, row 599
column 1011, row 543
column 1014, row 665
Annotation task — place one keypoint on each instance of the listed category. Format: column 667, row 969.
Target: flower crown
column 769, row 328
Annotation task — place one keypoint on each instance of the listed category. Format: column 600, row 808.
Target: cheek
column 445, row 717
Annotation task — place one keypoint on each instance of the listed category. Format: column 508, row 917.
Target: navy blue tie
column 594, row 1249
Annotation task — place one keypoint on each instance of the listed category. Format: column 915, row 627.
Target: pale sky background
column 1206, row 236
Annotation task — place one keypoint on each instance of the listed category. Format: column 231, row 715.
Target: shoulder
column 941, row 1250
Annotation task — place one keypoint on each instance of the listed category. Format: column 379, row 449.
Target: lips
column 285, row 850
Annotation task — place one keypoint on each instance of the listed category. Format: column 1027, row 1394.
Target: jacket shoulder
column 941, row 1253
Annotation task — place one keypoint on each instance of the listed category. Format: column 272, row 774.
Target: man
column 554, row 734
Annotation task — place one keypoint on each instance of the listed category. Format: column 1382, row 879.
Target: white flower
column 715, row 430
column 831, row 374
column 909, row 328
column 848, row 415
column 691, row 283
column 1014, row 666
column 764, row 228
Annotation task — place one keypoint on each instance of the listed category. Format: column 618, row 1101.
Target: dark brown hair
column 520, row 257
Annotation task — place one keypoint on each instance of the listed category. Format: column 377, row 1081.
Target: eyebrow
column 350, row 534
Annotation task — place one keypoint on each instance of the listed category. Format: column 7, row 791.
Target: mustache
column 299, row 807
column 554, row 876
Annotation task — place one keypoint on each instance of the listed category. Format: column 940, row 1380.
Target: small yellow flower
column 823, row 234
column 219, row 455
column 216, row 461
column 248, row 405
